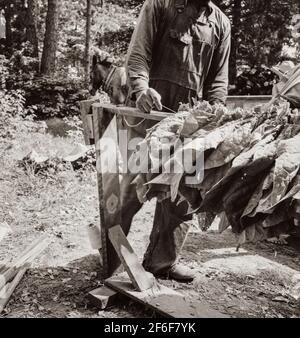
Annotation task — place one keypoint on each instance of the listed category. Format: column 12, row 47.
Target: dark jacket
column 188, row 51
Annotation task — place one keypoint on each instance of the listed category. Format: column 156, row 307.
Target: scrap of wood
column 7, row 276
column 103, row 297
column 87, row 121
column 5, row 229
column 4, row 265
column 141, row 279
column 33, row 251
column 167, row 302
column 20, row 260
column 26, row 257
column 10, row 288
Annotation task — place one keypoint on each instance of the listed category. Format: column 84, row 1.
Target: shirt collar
column 209, row 16
column 212, row 12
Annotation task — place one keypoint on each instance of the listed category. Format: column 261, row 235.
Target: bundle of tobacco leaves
column 244, row 164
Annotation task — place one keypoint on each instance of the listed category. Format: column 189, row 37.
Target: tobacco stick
column 10, row 288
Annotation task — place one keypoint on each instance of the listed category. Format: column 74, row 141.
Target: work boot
column 179, row 273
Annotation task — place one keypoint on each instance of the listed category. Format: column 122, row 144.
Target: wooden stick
column 7, row 276
column 4, row 265
column 28, row 257
column 103, row 297
column 9, row 289
column 29, row 251
column 141, row 279
column 132, row 112
column 31, row 254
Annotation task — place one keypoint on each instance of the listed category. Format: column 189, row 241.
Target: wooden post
column 87, row 121
column 109, row 196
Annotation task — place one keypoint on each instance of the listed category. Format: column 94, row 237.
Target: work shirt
column 181, row 55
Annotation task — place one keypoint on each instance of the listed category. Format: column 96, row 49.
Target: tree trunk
column 48, row 63
column 236, row 22
column 8, row 13
column 31, row 29
column 88, row 42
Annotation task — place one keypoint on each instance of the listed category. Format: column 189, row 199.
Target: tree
column 8, row 13
column 88, row 41
column 2, row 26
column 235, row 36
column 259, row 30
column 31, row 26
column 48, row 63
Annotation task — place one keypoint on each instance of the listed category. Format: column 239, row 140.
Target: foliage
column 54, row 96
column 268, row 30
column 255, row 81
column 14, row 120
column 75, row 133
column 260, row 30
column 4, row 72
column 59, row 94
column 46, row 96
column 113, row 29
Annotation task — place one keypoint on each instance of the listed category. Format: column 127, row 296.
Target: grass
column 62, row 206
column 31, row 204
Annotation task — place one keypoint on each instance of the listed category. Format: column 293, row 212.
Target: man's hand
column 148, row 99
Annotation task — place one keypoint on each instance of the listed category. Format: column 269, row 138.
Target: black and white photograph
column 149, row 161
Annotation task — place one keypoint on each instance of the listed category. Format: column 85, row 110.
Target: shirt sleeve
column 139, row 55
column 216, row 84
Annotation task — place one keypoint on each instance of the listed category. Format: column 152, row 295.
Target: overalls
column 177, row 73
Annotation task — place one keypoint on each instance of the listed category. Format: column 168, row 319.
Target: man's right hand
column 148, row 99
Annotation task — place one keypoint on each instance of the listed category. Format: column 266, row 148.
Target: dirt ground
column 255, row 282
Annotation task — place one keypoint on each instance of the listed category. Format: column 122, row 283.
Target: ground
column 257, row 281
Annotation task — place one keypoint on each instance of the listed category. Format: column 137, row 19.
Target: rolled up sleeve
column 139, row 55
column 215, row 88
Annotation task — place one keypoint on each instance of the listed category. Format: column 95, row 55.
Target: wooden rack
column 136, row 283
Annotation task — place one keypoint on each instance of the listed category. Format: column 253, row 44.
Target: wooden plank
column 26, row 257
column 232, row 101
column 8, row 290
column 109, row 197
column 87, row 120
column 5, row 229
column 90, row 124
column 132, row 112
column 140, row 279
column 165, row 301
column 4, row 265
column 103, row 297
column 33, row 251
column 7, row 276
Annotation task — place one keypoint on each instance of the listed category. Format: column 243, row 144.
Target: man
column 179, row 51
